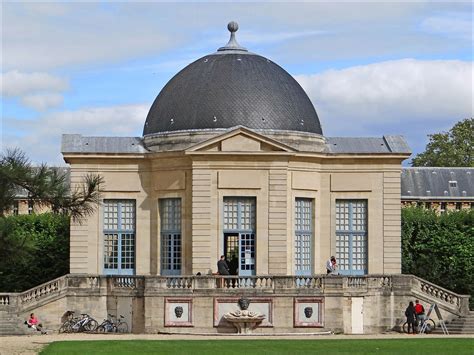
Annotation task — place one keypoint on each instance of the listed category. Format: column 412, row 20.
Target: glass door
column 247, row 254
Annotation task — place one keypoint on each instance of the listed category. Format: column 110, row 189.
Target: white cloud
column 41, row 36
column 456, row 25
column 401, row 91
column 42, row 102
column 16, row 83
column 31, row 135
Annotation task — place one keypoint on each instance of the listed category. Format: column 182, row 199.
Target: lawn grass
column 268, row 346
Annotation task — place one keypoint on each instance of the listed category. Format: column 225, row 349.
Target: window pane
column 170, row 214
column 111, row 251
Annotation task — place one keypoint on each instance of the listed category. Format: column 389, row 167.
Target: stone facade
column 242, row 163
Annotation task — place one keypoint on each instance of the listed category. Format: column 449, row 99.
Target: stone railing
column 184, row 283
column 311, row 282
column 239, row 282
column 441, row 295
column 42, row 291
column 318, row 284
column 4, row 299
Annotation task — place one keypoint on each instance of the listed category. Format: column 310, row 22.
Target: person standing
column 410, row 314
column 331, row 265
column 222, row 267
column 420, row 313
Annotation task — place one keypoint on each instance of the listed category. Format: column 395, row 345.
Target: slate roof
column 369, row 145
column 437, row 183
column 76, row 143
column 229, row 89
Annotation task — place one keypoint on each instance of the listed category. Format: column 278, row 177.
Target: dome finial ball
column 233, row 26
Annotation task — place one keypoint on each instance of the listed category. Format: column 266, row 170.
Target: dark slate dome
column 229, row 88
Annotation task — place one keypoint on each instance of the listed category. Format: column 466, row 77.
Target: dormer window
column 453, row 183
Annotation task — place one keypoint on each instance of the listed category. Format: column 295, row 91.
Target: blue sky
column 370, row 68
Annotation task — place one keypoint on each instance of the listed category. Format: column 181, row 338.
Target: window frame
column 352, row 235
column 126, row 235
column 171, row 264
column 303, row 229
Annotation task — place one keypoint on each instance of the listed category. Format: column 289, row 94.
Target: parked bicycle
column 85, row 323
column 430, row 326
column 122, row 326
column 111, row 326
column 66, row 327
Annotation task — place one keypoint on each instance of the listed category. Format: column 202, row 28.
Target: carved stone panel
column 179, row 312
column 308, row 312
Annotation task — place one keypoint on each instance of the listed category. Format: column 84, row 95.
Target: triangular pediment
column 241, row 140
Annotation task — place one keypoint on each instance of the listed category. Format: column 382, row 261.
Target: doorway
column 357, row 315
column 239, row 235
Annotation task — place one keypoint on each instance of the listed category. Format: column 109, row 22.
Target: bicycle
column 85, row 324
column 122, row 326
column 429, row 327
column 111, row 326
column 66, row 327
column 107, row 326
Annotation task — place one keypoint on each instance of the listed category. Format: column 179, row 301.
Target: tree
column 453, row 148
column 439, row 248
column 45, row 186
column 33, row 249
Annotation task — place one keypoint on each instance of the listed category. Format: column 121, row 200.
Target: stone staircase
column 11, row 325
column 460, row 325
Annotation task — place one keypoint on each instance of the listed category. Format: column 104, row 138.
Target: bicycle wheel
column 91, row 325
column 103, row 328
column 431, row 324
column 66, row 327
column 405, row 327
column 122, row 327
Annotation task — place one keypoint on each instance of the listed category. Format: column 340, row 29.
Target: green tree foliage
column 439, row 248
column 33, row 249
column 45, row 186
column 453, row 148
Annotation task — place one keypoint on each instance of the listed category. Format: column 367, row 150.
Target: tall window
column 303, row 236
column 119, row 237
column 351, row 236
column 170, row 216
column 30, row 207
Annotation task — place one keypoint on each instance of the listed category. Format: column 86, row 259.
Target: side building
column 439, row 188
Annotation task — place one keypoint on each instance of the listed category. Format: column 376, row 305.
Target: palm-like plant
column 46, row 186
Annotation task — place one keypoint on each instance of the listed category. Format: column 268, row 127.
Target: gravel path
column 32, row 344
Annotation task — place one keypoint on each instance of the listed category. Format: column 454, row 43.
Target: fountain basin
column 244, row 321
